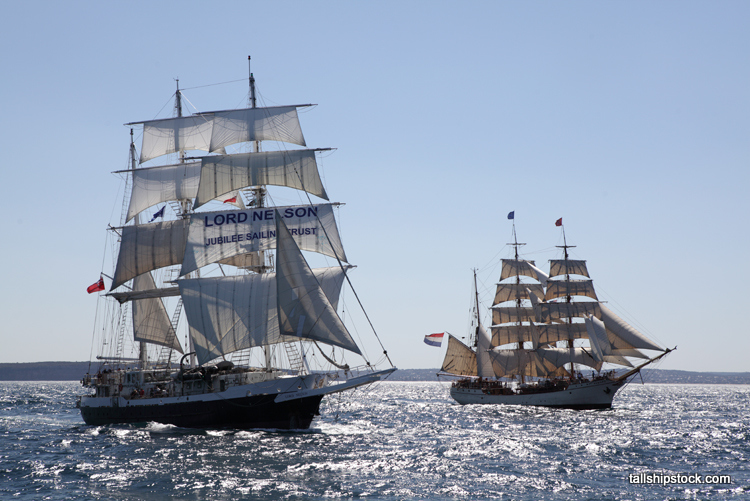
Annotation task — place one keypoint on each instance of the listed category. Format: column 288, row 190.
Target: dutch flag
column 434, row 339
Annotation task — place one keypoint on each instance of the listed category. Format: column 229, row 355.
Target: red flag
column 558, row 222
column 230, row 200
column 98, row 286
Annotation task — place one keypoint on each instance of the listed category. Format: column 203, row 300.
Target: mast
column 142, row 346
column 568, row 298
column 515, row 245
column 259, row 193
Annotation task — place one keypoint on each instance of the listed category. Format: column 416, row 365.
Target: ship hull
column 286, row 403
column 596, row 394
column 247, row 412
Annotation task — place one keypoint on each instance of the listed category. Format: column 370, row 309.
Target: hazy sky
column 630, row 120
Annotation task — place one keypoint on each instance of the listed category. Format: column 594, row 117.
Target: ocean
column 393, row 441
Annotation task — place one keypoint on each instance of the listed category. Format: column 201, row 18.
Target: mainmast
column 259, row 193
column 515, row 245
column 568, row 298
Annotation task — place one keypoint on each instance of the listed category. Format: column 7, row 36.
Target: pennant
column 96, row 287
column 511, row 214
column 558, row 222
column 231, row 200
column 434, row 339
column 159, row 213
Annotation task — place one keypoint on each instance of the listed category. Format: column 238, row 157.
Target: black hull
column 241, row 413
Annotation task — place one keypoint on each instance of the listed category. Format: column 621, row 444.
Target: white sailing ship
column 265, row 341
column 546, row 327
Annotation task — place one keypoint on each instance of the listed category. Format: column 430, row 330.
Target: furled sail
column 513, row 291
column 304, row 309
column 215, row 236
column 221, row 174
column 562, row 288
column 559, row 267
column 459, row 359
column 227, row 314
column 150, row 319
column 124, row 297
column 214, row 130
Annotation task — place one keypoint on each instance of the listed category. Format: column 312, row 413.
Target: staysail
column 303, row 307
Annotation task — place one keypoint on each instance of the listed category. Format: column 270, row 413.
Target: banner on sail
column 215, row 236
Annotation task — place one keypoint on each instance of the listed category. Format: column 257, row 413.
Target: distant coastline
column 74, row 371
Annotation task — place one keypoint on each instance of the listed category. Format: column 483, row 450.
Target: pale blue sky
column 631, row 120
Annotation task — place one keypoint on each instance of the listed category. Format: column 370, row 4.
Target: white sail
column 171, row 135
column 214, row 130
column 459, row 359
column 622, row 334
column 503, row 315
column 537, row 334
column 150, row 319
column 562, row 288
column 222, row 174
column 513, row 291
column 147, row 247
column 507, row 334
column 227, row 314
column 558, row 357
column 557, row 311
column 508, row 363
column 155, row 185
column 303, row 308
column 484, row 364
column 559, row 267
column 601, row 349
column 516, row 267
column 551, row 333
column 215, row 236
column 279, row 123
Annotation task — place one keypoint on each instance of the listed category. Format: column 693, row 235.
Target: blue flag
column 511, row 214
column 159, row 213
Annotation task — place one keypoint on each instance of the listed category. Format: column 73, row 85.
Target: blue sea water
column 394, row 441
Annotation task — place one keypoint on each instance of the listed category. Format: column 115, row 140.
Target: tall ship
column 552, row 343
column 214, row 317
